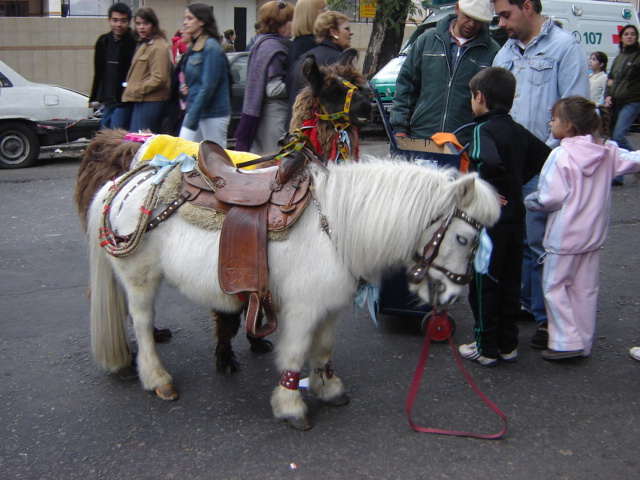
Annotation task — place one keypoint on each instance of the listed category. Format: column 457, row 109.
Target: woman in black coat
column 333, row 35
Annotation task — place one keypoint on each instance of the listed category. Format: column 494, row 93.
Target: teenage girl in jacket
column 206, row 71
column 149, row 77
column 575, row 187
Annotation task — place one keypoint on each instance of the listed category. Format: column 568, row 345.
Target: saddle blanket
column 170, row 147
column 124, row 220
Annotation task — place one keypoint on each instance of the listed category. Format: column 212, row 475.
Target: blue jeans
column 627, row 114
column 147, row 116
column 531, row 294
column 116, row 117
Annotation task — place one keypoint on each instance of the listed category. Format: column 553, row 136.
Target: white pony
column 380, row 214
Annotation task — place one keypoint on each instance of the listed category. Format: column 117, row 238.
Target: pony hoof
column 226, row 358
column 260, row 345
column 230, row 365
column 127, row 373
column 167, row 392
column 340, row 400
column 300, row 424
column 162, row 335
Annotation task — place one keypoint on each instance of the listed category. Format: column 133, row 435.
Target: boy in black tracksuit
column 506, row 155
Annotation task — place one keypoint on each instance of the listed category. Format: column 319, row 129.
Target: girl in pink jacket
column 574, row 187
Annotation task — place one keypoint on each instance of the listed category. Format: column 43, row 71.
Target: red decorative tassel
column 313, row 133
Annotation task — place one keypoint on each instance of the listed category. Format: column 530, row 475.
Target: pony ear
column 312, row 73
column 465, row 190
column 348, row 58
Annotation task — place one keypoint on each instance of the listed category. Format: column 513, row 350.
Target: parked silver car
column 34, row 115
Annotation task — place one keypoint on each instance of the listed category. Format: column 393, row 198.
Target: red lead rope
column 417, row 378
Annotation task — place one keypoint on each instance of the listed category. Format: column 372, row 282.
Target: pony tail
column 605, row 122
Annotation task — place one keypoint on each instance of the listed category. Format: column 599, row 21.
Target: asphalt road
column 62, row 417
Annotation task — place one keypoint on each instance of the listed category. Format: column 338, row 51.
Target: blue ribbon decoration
column 482, row 258
column 368, row 297
column 164, row 165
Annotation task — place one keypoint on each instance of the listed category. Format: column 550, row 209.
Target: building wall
column 52, row 50
column 59, row 50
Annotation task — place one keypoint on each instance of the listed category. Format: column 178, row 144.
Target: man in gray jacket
column 548, row 64
column 432, row 89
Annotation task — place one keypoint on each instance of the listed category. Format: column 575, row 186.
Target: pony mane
column 383, row 205
column 106, row 157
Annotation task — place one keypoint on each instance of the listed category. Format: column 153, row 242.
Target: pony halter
column 340, row 120
column 430, row 252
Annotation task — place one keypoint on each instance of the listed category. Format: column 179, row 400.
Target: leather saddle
column 255, row 202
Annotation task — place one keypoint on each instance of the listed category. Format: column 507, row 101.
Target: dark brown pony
column 325, row 97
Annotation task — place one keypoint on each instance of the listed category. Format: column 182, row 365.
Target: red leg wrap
column 290, row 379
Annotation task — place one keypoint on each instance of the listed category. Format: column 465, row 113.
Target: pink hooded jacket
column 575, row 187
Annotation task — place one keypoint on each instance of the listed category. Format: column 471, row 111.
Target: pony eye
column 462, row 240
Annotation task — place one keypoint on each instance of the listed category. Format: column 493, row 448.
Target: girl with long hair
column 206, row 72
column 598, row 76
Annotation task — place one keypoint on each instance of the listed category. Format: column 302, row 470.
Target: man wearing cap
column 432, row 89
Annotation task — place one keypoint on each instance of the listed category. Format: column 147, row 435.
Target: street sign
column 368, row 8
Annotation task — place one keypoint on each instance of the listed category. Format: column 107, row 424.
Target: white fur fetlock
column 287, row 403
column 326, row 385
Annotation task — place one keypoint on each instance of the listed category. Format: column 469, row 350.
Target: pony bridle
column 340, row 120
column 419, row 271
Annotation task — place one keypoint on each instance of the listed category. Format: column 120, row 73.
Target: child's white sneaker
column 470, row 352
column 509, row 356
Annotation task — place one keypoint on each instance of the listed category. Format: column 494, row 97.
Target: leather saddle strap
column 255, row 327
column 243, row 251
column 242, row 265
column 256, row 161
column 309, row 153
column 167, row 212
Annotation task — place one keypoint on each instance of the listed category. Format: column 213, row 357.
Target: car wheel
column 19, row 146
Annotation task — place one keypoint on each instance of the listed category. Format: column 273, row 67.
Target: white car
column 34, row 115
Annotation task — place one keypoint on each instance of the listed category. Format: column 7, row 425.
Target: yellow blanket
column 170, row 147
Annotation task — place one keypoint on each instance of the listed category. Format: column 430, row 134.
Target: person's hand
column 608, row 102
column 501, row 200
column 184, row 90
column 609, row 82
column 401, row 134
